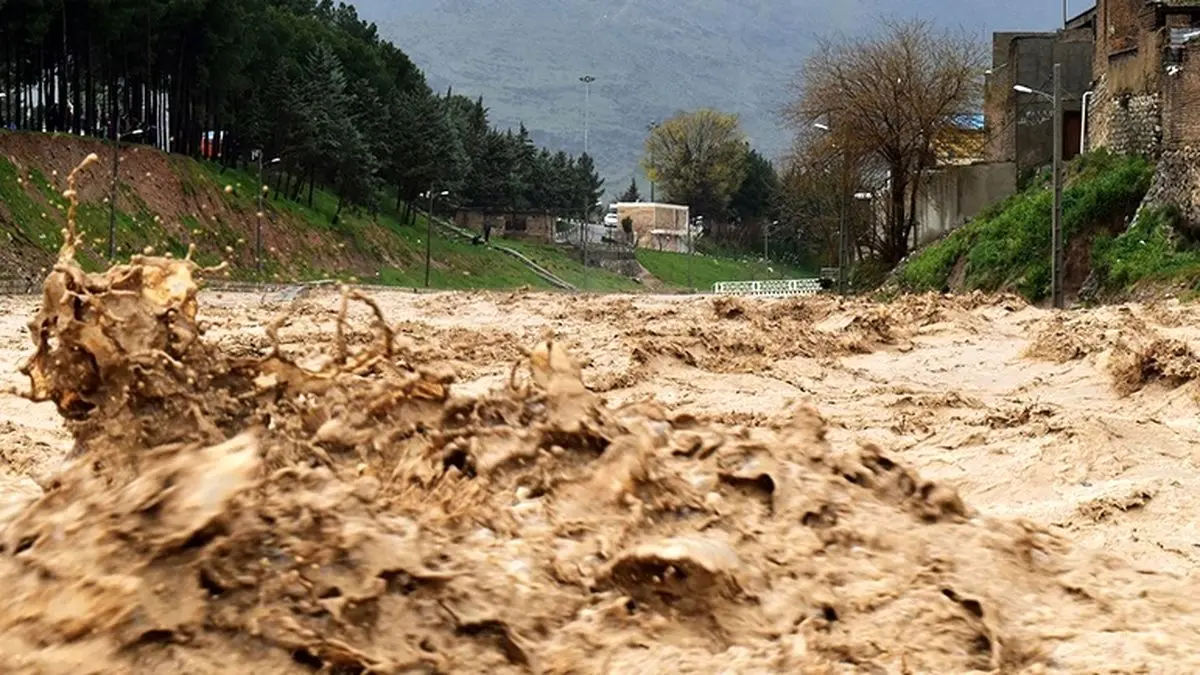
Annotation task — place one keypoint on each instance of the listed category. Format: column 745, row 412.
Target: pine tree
column 632, row 194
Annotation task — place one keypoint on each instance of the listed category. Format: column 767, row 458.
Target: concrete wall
column 1020, row 126
column 953, row 195
column 649, row 217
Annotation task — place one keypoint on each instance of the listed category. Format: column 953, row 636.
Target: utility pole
column 587, row 81
column 112, row 197
column 116, row 174
column 258, row 260
column 843, row 230
column 692, row 252
column 650, row 128
column 261, row 214
column 429, row 233
column 1066, row 16
column 1056, row 262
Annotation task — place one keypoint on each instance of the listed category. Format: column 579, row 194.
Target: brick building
column 1146, row 90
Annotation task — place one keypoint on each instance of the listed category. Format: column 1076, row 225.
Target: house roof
column 1083, row 20
column 963, row 145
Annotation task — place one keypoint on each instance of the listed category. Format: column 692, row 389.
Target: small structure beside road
column 657, row 226
column 531, row 225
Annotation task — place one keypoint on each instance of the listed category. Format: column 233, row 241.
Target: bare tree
column 812, row 196
column 889, row 97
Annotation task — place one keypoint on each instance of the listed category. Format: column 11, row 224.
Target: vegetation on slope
column 170, row 202
column 306, row 81
column 1008, row 246
column 1150, row 251
column 706, row 270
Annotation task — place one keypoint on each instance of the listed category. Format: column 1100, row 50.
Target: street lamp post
column 116, row 177
column 843, row 231
column 1056, row 237
column 429, row 233
column 650, row 128
column 766, row 239
column 587, row 81
column 262, row 189
column 691, row 251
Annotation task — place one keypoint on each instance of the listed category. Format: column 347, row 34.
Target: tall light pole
column 587, row 81
column 692, row 251
column 650, row 128
column 1057, row 299
column 766, row 239
column 262, row 190
column 843, row 231
column 116, row 177
column 429, row 233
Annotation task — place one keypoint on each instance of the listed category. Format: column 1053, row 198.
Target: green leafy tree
column 699, row 159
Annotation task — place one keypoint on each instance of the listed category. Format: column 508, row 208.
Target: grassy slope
column 1008, row 247
column 672, row 269
column 561, row 264
column 400, row 249
column 1150, row 252
column 301, row 243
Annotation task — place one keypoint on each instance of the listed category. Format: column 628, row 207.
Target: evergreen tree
column 305, row 80
column 632, row 194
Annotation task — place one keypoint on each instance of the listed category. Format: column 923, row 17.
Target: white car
column 611, row 219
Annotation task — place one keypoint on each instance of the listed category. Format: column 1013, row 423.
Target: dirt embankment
column 169, row 203
column 341, row 504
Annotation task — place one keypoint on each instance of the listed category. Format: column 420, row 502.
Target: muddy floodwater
column 535, row 483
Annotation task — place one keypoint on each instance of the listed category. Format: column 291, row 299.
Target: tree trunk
column 338, row 213
column 896, row 218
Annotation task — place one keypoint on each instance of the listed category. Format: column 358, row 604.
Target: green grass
column 672, row 269
column 561, row 264
column 1149, row 251
column 1008, row 246
column 379, row 248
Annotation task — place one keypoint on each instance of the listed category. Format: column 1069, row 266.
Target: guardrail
column 775, row 288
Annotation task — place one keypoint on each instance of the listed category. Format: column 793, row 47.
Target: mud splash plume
column 232, row 514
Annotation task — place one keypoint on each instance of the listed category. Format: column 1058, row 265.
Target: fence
column 779, row 288
column 597, row 236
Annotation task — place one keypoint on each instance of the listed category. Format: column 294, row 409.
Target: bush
column 1009, row 247
column 1148, row 251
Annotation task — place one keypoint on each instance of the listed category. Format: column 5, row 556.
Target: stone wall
column 1177, row 182
column 1127, row 124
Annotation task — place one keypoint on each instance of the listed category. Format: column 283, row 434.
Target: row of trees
column 304, row 80
column 868, row 114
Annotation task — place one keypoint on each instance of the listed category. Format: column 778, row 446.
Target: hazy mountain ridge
column 650, row 59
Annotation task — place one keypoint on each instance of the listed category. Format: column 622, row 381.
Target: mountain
column 650, row 58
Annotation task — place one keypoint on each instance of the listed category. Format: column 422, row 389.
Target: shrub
column 1149, row 250
column 1009, row 246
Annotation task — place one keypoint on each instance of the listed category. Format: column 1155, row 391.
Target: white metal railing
column 775, row 288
